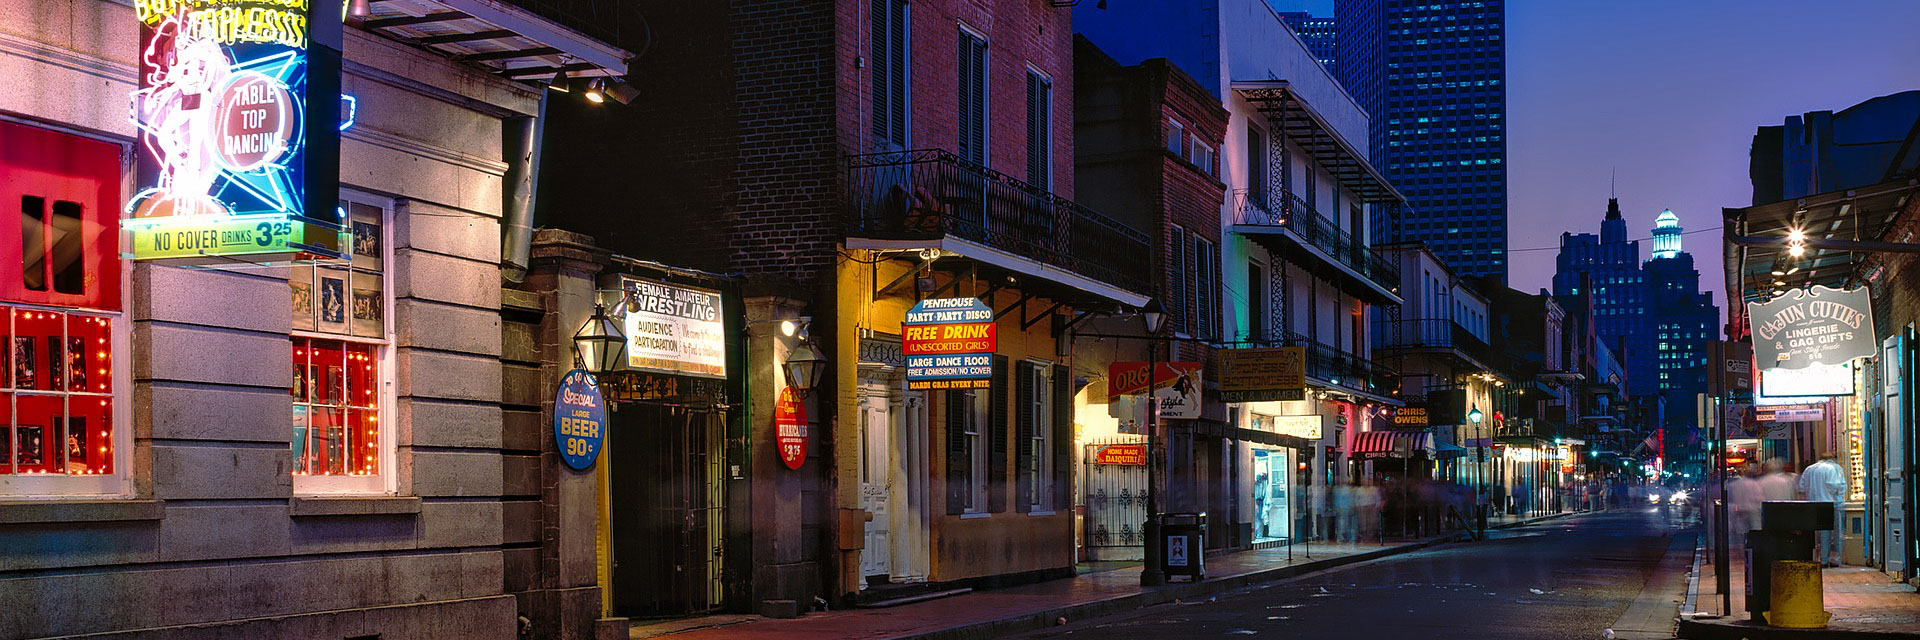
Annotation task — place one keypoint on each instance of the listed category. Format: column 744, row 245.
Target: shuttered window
column 1034, row 400
column 966, row 412
column 972, row 96
column 1179, row 267
column 1039, row 130
column 1256, row 166
column 1206, row 288
column 890, row 78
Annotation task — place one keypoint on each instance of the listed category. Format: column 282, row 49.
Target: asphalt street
column 1574, row 577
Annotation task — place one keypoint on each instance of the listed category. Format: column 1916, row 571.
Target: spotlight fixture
column 622, row 91
column 360, row 8
column 1796, row 250
column 559, row 81
column 1778, row 272
column 1793, row 271
column 1779, row 283
column 596, row 91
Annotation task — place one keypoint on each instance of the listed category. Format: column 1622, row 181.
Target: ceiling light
column 1796, row 251
column 596, row 91
column 1793, row 271
column 559, row 81
column 623, row 92
column 360, row 8
column 1778, row 272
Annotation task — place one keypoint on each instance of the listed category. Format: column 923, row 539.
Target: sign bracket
column 1020, row 304
column 1026, row 323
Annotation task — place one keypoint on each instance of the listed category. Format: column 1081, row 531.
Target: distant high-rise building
column 1651, row 313
column 1432, row 73
column 1321, row 35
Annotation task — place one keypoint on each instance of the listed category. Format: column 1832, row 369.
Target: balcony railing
column 1287, row 211
column 1432, row 333
column 1346, row 369
column 930, row 193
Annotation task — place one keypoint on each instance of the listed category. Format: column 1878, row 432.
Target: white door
column 876, row 475
column 1893, row 529
column 910, row 519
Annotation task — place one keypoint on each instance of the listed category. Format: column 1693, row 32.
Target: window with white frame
column 62, row 422
column 1176, row 138
column 978, row 422
column 1202, row 157
column 342, row 372
column 1036, row 395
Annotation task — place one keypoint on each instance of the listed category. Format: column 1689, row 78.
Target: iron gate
column 1116, row 502
column 668, row 509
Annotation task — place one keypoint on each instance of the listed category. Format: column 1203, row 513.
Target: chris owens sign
column 1817, row 325
column 579, row 420
column 238, row 116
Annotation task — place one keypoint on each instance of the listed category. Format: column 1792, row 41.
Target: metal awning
column 1297, row 121
column 1863, row 214
column 498, row 36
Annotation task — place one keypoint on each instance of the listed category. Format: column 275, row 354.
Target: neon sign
column 233, row 163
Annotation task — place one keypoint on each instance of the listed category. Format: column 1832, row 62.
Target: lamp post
column 599, row 347
column 1480, row 472
column 1152, row 574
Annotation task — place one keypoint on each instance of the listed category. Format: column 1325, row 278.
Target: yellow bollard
column 1796, row 596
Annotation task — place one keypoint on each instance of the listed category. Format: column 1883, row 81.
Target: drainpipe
column 523, row 142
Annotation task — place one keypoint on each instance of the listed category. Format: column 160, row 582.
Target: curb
column 1736, row 630
column 1178, row 591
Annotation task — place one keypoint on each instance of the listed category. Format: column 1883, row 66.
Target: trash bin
column 1786, row 533
column 1185, row 537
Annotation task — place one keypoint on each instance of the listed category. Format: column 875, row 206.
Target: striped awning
column 1382, row 444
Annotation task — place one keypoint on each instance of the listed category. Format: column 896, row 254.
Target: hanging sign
column 1176, row 386
column 1816, row 325
column 1121, row 454
column 1262, row 375
column 790, row 428
column 579, row 420
column 1790, row 413
column 1409, row 417
column 232, row 162
column 1308, row 426
column 674, row 329
column 949, row 343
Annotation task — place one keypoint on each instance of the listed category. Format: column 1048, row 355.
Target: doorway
column 668, row 509
column 893, row 485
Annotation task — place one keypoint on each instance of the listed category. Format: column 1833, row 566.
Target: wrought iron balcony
column 1433, row 334
column 1345, row 368
column 929, row 194
column 1286, row 210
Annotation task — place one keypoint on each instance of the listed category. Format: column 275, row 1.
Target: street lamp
column 599, row 346
column 1152, row 574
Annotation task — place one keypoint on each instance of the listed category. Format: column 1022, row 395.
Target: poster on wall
column 674, row 329
column 949, row 343
column 1812, row 326
column 239, row 141
column 1176, row 386
column 790, row 428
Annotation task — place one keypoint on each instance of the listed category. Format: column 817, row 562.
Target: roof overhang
column 1065, row 286
column 498, row 36
column 1297, row 120
column 1864, row 214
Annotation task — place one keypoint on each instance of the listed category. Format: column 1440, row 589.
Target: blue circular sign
column 579, row 419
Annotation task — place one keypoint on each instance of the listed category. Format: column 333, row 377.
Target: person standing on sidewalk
column 1824, row 481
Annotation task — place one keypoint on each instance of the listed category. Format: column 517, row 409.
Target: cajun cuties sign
column 790, row 428
column 1816, row 325
column 579, row 420
column 238, row 111
column 949, row 344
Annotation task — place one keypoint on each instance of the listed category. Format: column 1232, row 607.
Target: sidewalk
column 1865, row 603
column 991, row 613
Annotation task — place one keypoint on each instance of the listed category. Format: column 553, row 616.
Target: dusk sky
column 1669, row 93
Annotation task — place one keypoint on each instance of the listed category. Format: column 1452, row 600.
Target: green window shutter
column 1062, row 439
column 1023, row 436
column 958, row 462
column 997, row 432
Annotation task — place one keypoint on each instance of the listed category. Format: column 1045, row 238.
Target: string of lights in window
column 532, row 41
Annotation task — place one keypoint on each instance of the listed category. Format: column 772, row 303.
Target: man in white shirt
column 1824, row 481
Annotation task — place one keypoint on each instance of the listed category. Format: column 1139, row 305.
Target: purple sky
column 1669, row 93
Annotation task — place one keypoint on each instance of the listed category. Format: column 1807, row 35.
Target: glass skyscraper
column 1432, row 73
column 1319, row 34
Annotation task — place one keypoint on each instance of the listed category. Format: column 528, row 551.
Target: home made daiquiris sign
column 238, row 112
column 1816, row 325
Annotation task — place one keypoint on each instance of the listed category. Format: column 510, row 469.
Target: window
column 1176, row 138
column 1202, row 157
column 1039, row 130
column 60, row 323
column 1256, row 166
column 890, row 74
column 1035, row 396
column 1182, row 268
column 977, row 432
column 341, row 364
column 1206, row 288
column 972, row 96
